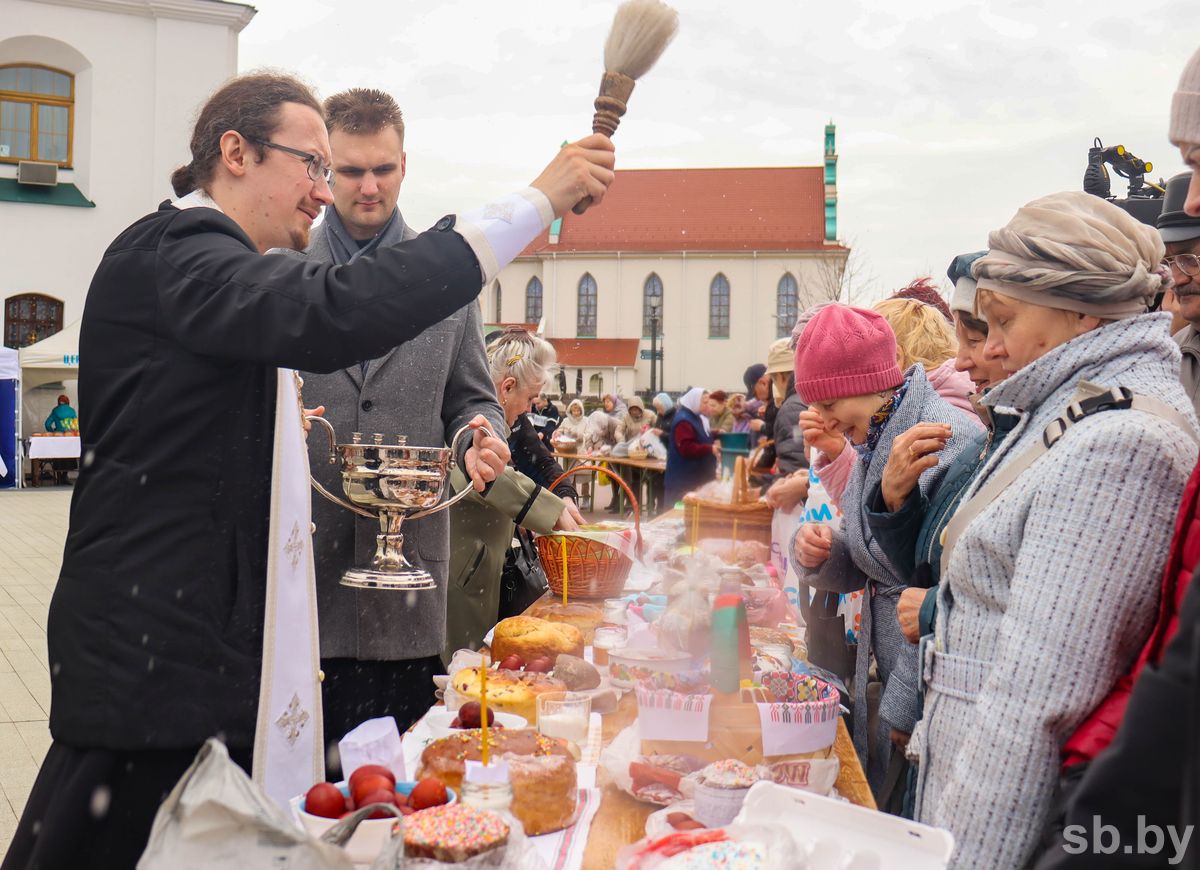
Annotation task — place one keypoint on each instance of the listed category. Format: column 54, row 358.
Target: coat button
column 444, row 224
column 367, row 405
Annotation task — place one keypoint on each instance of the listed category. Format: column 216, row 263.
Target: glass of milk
column 565, row 715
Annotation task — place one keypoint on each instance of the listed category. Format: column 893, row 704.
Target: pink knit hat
column 845, row 352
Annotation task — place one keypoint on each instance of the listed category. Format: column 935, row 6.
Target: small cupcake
column 721, row 788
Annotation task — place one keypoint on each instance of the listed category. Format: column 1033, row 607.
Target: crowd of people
column 1016, row 473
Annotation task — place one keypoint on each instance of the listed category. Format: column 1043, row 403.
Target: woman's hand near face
column 787, row 492
column 814, row 544
column 816, row 435
column 913, row 453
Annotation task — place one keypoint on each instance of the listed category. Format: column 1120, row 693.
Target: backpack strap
column 1089, row 399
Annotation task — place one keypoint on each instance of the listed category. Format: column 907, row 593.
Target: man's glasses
column 1188, row 264
column 318, row 169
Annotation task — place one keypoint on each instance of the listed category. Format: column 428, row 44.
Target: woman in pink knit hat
column 847, row 371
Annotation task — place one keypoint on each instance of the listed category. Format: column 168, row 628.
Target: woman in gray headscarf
column 1051, row 568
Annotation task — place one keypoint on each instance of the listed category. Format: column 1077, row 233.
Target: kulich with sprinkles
column 454, row 833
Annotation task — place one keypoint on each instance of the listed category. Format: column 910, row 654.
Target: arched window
column 718, row 307
column 596, row 384
column 29, row 318
column 585, row 317
column 787, row 305
column 533, row 300
column 499, row 308
column 36, row 114
column 652, row 297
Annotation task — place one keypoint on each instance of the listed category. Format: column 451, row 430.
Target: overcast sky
column 950, row 113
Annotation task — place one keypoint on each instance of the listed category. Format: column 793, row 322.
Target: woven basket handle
column 637, row 509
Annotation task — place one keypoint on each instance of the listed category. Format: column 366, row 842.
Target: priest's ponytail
column 248, row 105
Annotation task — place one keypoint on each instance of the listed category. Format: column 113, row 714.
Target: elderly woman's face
column 576, row 411
column 737, row 403
column 971, row 359
column 608, row 404
column 850, row 416
column 1021, row 332
column 514, row 398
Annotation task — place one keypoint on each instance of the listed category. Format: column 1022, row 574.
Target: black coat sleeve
column 217, row 297
column 790, row 451
column 532, row 458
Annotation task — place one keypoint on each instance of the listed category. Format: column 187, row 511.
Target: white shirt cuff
column 500, row 230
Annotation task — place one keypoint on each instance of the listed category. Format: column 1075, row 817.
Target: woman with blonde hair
column 924, row 336
column 482, row 525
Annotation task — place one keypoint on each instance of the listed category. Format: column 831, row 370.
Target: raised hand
column 817, row 434
column 913, row 453
column 579, row 170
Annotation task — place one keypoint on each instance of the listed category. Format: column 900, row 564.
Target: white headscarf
column 691, row 401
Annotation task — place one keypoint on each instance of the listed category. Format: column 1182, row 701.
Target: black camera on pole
column 1143, row 199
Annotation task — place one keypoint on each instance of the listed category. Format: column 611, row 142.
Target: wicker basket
column 732, row 522
column 744, row 519
column 594, row 570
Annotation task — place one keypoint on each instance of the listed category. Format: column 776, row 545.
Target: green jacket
column 481, row 531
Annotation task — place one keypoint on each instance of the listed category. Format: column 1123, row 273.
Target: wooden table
column 621, row 820
column 646, row 470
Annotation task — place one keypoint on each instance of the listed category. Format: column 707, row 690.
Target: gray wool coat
column 857, row 561
column 426, row 390
column 1051, row 590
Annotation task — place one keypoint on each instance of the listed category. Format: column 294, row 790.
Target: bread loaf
column 530, row 637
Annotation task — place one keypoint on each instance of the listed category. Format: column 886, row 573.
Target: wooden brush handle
column 611, row 104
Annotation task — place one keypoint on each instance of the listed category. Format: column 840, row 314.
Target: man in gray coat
column 379, row 648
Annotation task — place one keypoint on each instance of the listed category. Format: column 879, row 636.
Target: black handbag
column 522, row 581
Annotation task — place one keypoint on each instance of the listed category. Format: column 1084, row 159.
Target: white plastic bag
column 820, row 508
column 216, row 818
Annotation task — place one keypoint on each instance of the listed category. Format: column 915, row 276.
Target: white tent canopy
column 53, row 359
column 9, row 369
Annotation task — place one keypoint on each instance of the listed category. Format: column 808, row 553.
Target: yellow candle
column 695, row 526
column 735, row 530
column 483, row 716
column 562, row 540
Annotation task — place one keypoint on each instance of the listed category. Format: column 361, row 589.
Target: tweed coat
column 1051, row 590
column 857, row 559
column 426, row 390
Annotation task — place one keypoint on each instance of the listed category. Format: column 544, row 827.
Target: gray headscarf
column 1075, row 252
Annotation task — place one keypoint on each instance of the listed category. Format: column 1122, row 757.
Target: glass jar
column 487, row 795
column 607, row 637
column 614, row 611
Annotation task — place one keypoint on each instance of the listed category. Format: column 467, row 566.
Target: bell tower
column 831, row 159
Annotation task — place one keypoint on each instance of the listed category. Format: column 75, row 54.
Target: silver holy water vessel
column 391, row 483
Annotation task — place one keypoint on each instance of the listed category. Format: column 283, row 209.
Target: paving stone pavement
column 33, row 527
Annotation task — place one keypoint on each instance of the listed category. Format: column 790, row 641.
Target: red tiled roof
column 596, row 352
column 754, row 209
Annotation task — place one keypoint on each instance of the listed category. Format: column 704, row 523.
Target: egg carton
column 836, row 834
